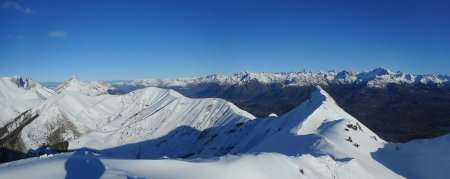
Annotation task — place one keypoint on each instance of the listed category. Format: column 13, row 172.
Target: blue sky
column 118, row 40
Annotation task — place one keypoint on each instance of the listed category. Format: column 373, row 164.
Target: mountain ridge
column 379, row 77
column 91, row 88
column 392, row 94
column 155, row 123
column 18, row 95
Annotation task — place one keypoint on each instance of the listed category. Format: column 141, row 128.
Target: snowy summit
column 92, row 88
column 317, row 139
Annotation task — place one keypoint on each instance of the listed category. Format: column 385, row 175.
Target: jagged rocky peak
column 243, row 76
column 25, row 83
column 18, row 81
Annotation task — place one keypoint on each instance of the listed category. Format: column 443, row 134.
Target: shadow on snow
column 84, row 164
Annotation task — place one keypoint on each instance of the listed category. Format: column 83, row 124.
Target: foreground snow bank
column 424, row 158
column 84, row 164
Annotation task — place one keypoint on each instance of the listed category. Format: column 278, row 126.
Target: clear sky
column 118, row 40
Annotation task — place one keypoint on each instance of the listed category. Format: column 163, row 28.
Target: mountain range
column 377, row 78
column 91, row 122
column 397, row 106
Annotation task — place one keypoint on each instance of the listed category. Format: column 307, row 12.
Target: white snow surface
column 110, row 120
column 18, row 95
column 262, row 166
column 417, row 159
column 317, row 139
column 146, row 124
column 91, row 88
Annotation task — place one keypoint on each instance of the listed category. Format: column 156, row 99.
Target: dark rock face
column 397, row 112
column 11, row 145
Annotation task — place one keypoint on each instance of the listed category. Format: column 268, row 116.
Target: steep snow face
column 317, row 127
column 160, row 115
column 423, row 158
column 111, row 120
column 92, row 88
column 379, row 77
column 321, row 125
column 18, row 95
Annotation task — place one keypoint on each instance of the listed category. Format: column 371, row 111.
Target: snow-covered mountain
column 18, row 95
column 203, row 127
column 379, row 77
column 388, row 102
column 112, row 120
column 317, row 139
column 91, row 88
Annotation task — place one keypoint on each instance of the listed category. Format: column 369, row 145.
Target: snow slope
column 321, row 118
column 317, row 127
column 212, row 138
column 18, row 95
column 423, row 158
column 92, row 88
column 111, row 120
column 417, row 159
column 263, row 166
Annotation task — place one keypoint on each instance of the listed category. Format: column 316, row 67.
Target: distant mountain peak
column 92, row 88
column 380, row 71
column 18, row 95
column 25, row 83
column 72, row 77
